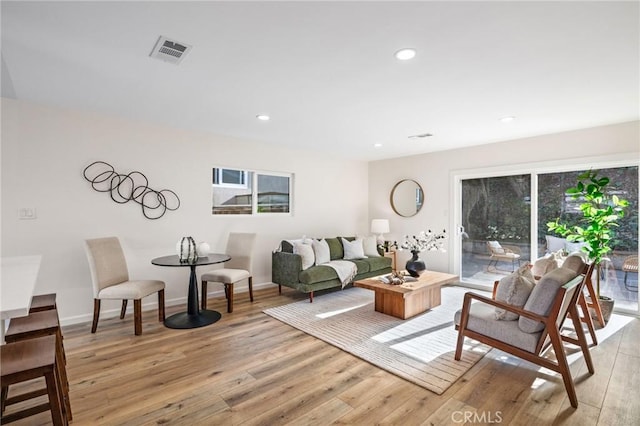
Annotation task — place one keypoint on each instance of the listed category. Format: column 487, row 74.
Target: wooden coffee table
column 411, row 298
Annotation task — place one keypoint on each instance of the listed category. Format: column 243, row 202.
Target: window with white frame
column 248, row 192
column 230, row 178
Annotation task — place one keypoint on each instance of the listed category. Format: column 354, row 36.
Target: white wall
column 434, row 173
column 45, row 150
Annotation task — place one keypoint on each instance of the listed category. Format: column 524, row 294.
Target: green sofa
column 286, row 268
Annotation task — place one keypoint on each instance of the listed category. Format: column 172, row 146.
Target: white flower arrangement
column 425, row 241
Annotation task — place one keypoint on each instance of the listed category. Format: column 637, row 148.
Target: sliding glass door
column 496, row 211
column 616, row 282
column 511, row 212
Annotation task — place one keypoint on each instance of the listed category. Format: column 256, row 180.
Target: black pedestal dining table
column 194, row 317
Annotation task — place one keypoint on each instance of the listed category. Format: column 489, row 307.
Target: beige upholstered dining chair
column 240, row 248
column 110, row 278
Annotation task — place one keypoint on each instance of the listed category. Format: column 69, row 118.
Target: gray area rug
column 419, row 349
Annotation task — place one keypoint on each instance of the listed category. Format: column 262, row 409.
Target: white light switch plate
column 27, row 213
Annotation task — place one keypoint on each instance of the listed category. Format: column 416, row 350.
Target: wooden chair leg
column 55, row 394
column 3, row 397
column 204, row 293
column 586, row 318
column 279, row 289
column 229, row 290
column 61, row 371
column 123, row 310
column 161, row 306
column 251, row 288
column 582, row 338
column 563, row 366
column 96, row 315
column 310, row 297
column 137, row 316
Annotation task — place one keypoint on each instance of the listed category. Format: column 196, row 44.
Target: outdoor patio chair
column 501, row 253
column 630, row 265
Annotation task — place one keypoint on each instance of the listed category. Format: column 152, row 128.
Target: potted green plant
column 601, row 212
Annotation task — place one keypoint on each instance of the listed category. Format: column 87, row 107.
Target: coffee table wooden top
column 427, row 279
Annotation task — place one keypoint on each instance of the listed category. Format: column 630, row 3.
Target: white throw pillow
column 555, row 243
column 321, row 251
column 370, row 245
column 574, row 247
column 352, row 249
column 544, row 265
column 306, row 253
column 496, row 247
column 514, row 290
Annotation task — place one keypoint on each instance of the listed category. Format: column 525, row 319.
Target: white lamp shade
column 379, row 226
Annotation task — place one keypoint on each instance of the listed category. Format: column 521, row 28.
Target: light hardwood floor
column 251, row 369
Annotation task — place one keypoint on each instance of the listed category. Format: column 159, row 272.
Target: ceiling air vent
column 169, row 50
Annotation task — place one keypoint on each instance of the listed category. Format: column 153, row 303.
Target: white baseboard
column 153, row 305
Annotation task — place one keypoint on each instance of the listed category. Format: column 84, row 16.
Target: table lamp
column 379, row 227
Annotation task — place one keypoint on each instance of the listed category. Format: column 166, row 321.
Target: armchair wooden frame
column 565, row 303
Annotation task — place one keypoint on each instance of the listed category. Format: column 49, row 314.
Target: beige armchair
column 240, row 248
column 110, row 278
column 538, row 327
column 500, row 253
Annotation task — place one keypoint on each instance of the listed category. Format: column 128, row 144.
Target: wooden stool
column 43, row 302
column 39, row 324
column 28, row 360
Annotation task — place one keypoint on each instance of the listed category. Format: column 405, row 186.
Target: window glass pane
column 495, row 209
column 273, row 194
column 553, row 203
column 233, row 176
column 233, row 198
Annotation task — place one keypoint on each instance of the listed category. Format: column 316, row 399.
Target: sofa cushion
column 370, row 245
column 321, row 251
column 544, row 265
column 352, row 249
column 575, row 263
column 335, row 248
column 317, row 274
column 362, row 265
column 305, row 251
column 378, row 263
column 514, row 289
column 287, row 245
column 482, row 320
column 542, row 297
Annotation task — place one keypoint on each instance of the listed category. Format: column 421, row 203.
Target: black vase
column 415, row 266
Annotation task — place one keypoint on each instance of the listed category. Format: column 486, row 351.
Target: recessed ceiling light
column 507, row 119
column 377, row 145
column 421, row 135
column 263, row 117
column 405, row 54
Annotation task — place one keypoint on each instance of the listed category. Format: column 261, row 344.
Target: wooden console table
column 409, row 299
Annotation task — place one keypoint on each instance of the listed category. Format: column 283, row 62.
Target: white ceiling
column 325, row 71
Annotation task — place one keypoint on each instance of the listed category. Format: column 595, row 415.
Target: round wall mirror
column 407, row 198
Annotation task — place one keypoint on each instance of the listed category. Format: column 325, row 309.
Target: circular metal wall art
column 133, row 186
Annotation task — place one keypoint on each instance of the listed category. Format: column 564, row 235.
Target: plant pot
column 606, row 306
column 415, row 266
